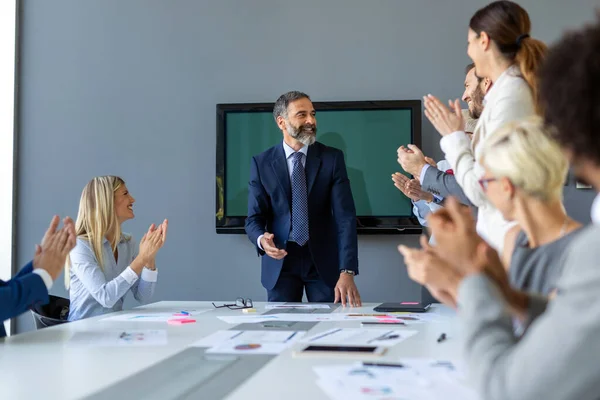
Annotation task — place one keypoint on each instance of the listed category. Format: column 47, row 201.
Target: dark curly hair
column 569, row 82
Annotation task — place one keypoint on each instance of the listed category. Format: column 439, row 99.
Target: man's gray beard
column 305, row 138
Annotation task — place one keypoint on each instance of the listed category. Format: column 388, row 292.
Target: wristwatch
column 347, row 271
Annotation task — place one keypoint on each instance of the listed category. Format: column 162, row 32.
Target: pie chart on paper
column 251, row 346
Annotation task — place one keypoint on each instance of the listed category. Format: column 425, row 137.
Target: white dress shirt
column 290, row 160
column 96, row 289
column 422, row 208
column 596, row 210
column 290, row 163
column 45, row 275
column 508, row 100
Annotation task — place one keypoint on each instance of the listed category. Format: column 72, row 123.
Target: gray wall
column 130, row 87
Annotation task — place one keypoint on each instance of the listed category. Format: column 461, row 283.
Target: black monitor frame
column 365, row 224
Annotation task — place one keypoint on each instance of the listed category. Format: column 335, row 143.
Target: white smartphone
column 343, row 351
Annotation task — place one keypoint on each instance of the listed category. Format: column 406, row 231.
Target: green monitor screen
column 368, row 133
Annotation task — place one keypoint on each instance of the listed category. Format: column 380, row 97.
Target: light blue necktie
column 299, row 201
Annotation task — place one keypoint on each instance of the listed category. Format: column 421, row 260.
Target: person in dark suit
column 301, row 214
column 30, row 286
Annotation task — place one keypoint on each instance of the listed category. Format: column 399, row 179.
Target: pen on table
column 380, row 337
column 325, row 334
column 441, row 338
column 236, row 335
column 290, row 337
column 387, row 365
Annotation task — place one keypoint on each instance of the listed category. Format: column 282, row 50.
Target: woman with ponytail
column 501, row 46
column 504, row 27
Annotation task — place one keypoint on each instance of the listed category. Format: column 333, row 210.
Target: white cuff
column 45, row 277
column 451, row 144
column 149, row 276
column 258, row 242
column 129, row 275
column 433, row 207
column 423, row 170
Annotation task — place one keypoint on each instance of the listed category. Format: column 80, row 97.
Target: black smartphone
column 405, row 306
column 398, row 322
column 341, row 350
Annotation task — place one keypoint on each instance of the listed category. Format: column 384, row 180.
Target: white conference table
column 42, row 364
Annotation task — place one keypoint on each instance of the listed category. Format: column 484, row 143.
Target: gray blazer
column 443, row 185
column 557, row 357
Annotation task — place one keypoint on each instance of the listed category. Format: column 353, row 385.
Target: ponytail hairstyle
column 508, row 25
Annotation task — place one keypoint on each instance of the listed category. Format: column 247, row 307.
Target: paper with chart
column 246, row 319
column 401, row 379
column 249, row 342
column 309, row 306
column 149, row 316
column 360, row 337
column 314, row 317
column 407, row 319
column 290, row 317
column 126, row 338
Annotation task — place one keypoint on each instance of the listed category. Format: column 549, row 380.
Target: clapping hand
column 411, row 159
column 411, row 188
column 444, row 120
column 427, row 268
column 152, row 241
column 56, row 245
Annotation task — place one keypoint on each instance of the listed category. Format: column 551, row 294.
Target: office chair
column 54, row 313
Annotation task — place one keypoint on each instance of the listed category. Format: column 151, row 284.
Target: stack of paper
column 411, row 379
column 249, row 342
column 360, row 337
column 309, row 306
column 128, row 338
column 407, row 319
column 149, row 316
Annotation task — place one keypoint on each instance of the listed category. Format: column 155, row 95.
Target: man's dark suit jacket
column 331, row 212
column 21, row 293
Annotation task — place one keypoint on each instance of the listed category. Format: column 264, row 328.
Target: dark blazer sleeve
column 443, row 185
column 258, row 206
column 27, row 269
column 21, row 293
column 344, row 213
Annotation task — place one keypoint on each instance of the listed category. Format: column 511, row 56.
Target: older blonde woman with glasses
column 106, row 263
column 525, row 173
